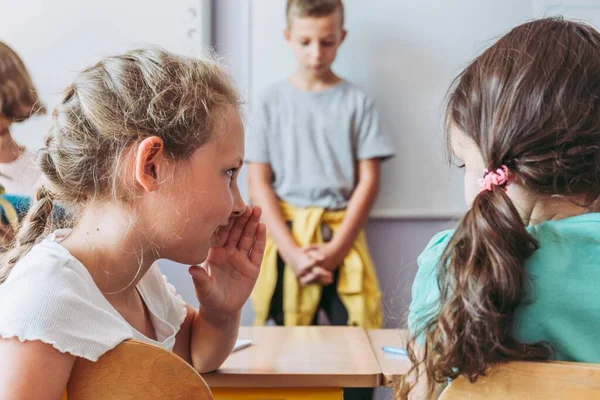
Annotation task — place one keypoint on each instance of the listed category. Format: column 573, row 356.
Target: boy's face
column 315, row 41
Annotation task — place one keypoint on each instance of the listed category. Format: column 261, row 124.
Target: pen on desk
column 394, row 350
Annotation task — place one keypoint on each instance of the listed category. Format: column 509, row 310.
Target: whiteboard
column 58, row 38
column 404, row 54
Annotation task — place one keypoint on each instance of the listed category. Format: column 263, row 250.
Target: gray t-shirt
column 313, row 141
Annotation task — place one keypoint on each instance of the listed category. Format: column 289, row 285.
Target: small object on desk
column 240, row 344
column 395, row 350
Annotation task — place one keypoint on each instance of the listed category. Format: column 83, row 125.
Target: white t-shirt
column 21, row 175
column 50, row 296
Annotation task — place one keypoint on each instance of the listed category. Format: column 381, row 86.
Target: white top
column 50, row 296
column 21, row 175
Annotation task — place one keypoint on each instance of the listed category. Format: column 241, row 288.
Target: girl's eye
column 461, row 166
column 231, row 174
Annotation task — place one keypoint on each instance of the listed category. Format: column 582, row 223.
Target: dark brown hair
column 313, row 8
column 18, row 96
column 530, row 102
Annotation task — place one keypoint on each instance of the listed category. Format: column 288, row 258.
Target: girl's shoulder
column 49, row 296
column 433, row 251
column 425, row 290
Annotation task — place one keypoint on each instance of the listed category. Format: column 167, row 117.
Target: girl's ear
column 149, row 158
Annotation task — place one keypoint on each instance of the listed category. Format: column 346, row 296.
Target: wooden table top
column 311, row 356
column 392, row 366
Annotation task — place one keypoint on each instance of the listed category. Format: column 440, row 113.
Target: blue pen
column 394, row 350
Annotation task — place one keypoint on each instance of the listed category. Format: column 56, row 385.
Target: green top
column 563, row 295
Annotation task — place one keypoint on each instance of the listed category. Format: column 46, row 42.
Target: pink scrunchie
column 494, row 178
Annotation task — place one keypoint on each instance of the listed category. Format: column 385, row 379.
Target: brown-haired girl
column 518, row 279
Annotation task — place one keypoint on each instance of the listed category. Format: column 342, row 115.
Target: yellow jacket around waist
column 357, row 285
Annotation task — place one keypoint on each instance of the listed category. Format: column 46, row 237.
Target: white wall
column 58, row 38
column 404, row 53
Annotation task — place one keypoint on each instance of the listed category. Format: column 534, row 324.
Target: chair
column 137, row 371
column 530, row 381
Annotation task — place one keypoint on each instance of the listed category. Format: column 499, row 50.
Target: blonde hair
column 108, row 108
column 313, row 8
column 18, row 96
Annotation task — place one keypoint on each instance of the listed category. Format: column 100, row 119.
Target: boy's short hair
column 18, row 96
column 313, row 8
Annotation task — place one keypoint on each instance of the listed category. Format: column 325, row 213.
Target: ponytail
column 482, row 278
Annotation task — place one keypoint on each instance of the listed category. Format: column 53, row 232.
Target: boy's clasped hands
column 316, row 263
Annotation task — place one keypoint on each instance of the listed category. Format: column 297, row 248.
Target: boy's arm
column 360, row 204
column 260, row 178
column 372, row 146
column 357, row 213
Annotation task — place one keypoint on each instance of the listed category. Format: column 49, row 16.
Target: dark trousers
column 333, row 307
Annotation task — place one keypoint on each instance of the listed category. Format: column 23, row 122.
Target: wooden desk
column 393, row 367
column 297, row 363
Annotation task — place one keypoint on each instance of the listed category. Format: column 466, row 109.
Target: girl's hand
column 224, row 282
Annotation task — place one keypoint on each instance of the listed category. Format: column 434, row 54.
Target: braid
column 33, row 227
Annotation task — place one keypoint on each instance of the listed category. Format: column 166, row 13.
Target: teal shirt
column 563, row 304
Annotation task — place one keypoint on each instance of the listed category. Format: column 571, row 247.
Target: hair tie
column 494, row 178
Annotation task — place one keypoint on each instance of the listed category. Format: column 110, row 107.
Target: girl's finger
column 223, row 233
column 258, row 249
column 238, row 227
column 248, row 236
column 202, row 281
